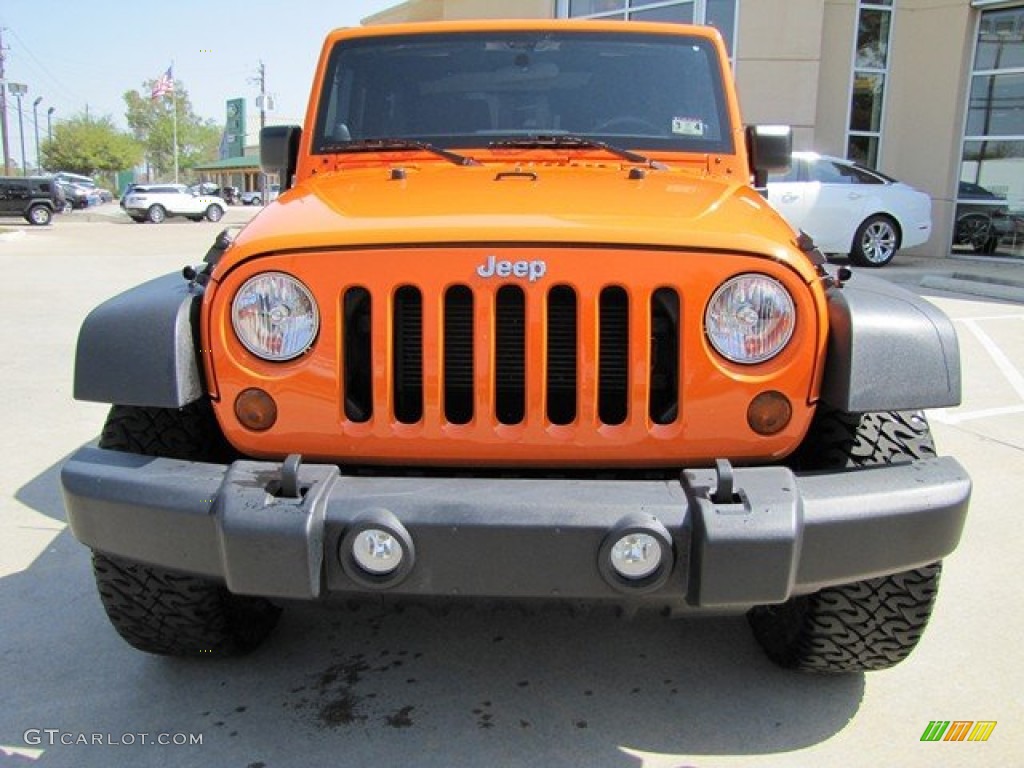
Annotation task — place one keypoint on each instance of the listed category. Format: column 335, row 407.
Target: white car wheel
column 876, row 242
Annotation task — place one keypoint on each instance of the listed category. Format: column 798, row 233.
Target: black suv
column 36, row 198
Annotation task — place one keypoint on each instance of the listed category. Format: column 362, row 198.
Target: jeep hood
column 532, row 203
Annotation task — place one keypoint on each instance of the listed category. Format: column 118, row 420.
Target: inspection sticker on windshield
column 687, row 126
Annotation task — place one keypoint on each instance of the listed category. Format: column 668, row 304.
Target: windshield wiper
column 395, row 145
column 572, row 141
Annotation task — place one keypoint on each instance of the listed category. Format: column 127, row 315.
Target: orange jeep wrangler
column 520, row 327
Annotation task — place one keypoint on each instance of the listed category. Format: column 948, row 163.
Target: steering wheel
column 623, row 123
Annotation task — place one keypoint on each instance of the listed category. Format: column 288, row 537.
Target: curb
column 976, row 285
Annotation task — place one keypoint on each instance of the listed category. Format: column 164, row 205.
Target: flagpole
column 174, row 119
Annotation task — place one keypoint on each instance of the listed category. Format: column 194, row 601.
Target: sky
column 87, row 54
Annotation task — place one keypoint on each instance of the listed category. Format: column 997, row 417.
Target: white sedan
column 847, row 208
column 157, row 202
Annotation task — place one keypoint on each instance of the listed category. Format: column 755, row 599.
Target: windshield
column 646, row 91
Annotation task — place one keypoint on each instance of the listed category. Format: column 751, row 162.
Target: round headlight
column 750, row 319
column 275, row 316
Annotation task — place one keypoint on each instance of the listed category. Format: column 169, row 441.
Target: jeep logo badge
column 531, row 270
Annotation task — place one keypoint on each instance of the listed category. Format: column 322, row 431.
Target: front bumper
column 776, row 534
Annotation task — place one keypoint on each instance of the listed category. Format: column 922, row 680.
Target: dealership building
column 930, row 92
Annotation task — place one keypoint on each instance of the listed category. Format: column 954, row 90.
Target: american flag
column 163, row 85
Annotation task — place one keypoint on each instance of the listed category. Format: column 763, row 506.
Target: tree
column 152, row 124
column 89, row 146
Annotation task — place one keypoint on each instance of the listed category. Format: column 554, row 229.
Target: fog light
column 255, row 410
column 769, row 413
column 636, row 555
column 377, row 552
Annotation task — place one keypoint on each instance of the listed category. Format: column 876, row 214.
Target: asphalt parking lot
column 360, row 688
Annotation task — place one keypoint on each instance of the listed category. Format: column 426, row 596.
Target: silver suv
column 155, row 203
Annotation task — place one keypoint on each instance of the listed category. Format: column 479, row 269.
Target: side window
column 827, row 172
column 797, row 172
column 863, row 177
column 16, row 190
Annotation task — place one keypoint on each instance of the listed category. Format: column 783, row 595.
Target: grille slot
column 561, row 355
column 357, row 352
column 510, row 355
column 664, row 382
column 613, row 366
column 407, row 347
column 458, row 354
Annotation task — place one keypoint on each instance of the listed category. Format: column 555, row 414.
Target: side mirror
column 770, row 149
column 279, row 151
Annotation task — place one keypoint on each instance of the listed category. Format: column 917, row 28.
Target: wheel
column 257, row 200
column 876, row 241
column 156, row 214
column 976, row 230
column 162, row 611
column 214, row 213
column 39, row 215
column 867, row 625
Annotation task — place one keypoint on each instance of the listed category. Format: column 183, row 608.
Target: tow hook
column 724, row 484
column 290, row 477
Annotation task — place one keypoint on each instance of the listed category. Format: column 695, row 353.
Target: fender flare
column 888, row 350
column 140, row 347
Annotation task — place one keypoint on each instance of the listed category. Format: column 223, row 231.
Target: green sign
column 235, row 130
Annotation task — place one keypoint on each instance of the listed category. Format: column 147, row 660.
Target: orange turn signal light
column 255, row 410
column 769, row 413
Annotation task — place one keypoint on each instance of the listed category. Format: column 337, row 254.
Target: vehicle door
column 193, row 201
column 836, row 197
column 788, row 193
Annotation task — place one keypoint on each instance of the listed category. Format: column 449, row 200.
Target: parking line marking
column 987, row 318
column 1013, row 376
column 945, row 417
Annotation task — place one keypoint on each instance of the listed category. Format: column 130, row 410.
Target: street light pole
column 35, row 123
column 19, row 90
column 4, row 138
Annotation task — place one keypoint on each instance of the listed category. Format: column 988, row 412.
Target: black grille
column 566, row 322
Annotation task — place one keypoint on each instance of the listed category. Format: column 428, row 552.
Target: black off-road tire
column 838, row 440
column 173, row 614
column 867, row 625
column 161, row 611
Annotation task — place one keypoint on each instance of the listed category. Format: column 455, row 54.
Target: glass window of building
column 720, row 14
column 990, row 196
column 870, row 71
